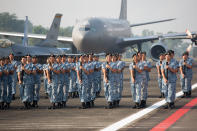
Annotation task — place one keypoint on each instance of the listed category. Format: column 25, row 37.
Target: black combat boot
column 83, row 105
column 88, row 105
column 63, row 104
column 114, row 104
column 25, row 105
column 1, row 105
column 167, row 105
column 142, row 104
column 171, row 105
column 29, row 105
column 13, row 97
column 184, row 95
column 189, row 94
column 92, row 103
column 118, row 101
column 59, row 105
column 34, row 103
column 7, row 106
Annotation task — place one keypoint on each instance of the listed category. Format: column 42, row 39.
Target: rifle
column 134, row 71
column 50, row 72
column 81, row 71
column 160, row 69
column 184, row 68
column 107, row 72
column 22, row 74
column 167, row 71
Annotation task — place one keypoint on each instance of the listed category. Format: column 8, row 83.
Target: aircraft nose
column 78, row 37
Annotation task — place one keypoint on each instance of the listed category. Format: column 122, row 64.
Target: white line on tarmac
column 120, row 124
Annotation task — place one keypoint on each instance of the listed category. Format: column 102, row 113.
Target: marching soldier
column 45, row 66
column 72, row 84
column 121, row 66
column 66, row 72
column 25, row 72
column 108, row 69
column 158, row 66
column 14, row 76
column 82, row 74
column 146, row 79
column 4, row 82
column 136, row 69
column 105, row 71
column 115, row 81
column 31, row 78
column 91, row 89
column 52, row 75
column 37, row 81
column 185, row 65
column 97, row 75
column 169, row 69
column 11, row 70
column 60, row 82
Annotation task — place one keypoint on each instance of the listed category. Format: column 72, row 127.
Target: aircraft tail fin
column 25, row 38
column 123, row 11
column 52, row 35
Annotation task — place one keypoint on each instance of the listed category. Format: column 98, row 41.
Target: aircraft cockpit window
column 86, row 28
column 5, row 43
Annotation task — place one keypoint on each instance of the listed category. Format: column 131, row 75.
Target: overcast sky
column 41, row 12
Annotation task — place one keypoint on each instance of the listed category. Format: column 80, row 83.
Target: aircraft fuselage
column 100, row 34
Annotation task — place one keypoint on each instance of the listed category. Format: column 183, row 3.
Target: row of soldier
column 66, row 77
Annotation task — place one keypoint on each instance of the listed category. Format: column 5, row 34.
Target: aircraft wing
column 138, row 40
column 36, row 36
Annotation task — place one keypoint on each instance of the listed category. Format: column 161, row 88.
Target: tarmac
column 72, row 118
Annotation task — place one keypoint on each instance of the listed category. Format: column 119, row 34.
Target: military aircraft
column 44, row 48
column 99, row 35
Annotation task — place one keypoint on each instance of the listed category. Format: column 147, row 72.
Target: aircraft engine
column 156, row 50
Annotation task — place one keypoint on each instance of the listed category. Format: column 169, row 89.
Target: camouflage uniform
column 14, row 77
column 186, row 81
column 170, row 86
column 121, row 65
column 53, row 86
column 136, row 87
column 37, row 82
column 83, row 89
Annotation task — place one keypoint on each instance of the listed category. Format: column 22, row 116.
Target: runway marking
column 122, row 123
column 175, row 116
